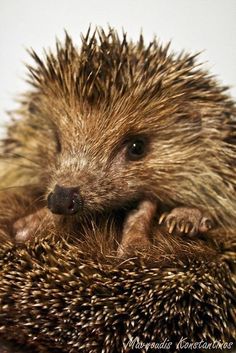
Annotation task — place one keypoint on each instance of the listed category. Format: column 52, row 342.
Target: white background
column 193, row 25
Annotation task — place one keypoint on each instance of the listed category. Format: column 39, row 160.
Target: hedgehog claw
column 187, row 227
column 186, row 221
column 163, row 216
column 172, row 226
column 181, row 227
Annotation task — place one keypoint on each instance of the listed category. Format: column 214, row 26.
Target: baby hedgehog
column 117, row 125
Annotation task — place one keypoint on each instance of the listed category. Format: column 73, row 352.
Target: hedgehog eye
column 136, row 149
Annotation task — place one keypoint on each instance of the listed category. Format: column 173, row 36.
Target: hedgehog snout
column 65, row 200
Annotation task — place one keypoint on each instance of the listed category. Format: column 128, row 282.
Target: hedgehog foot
column 186, row 220
column 27, row 226
column 137, row 228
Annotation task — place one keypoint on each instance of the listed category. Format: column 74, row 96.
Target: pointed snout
column 64, row 200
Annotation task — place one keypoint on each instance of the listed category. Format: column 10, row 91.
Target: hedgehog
column 116, row 126
column 118, row 150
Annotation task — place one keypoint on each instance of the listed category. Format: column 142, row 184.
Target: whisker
column 18, row 155
column 38, row 199
column 24, row 165
column 16, row 187
column 32, row 204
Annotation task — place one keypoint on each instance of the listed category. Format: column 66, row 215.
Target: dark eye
column 136, row 149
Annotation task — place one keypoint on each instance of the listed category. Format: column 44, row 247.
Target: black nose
column 64, row 200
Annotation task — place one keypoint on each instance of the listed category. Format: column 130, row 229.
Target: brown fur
column 86, row 104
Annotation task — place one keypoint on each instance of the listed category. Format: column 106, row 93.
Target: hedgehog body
column 59, row 295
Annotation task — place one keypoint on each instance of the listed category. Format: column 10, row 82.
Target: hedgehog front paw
column 25, row 227
column 136, row 230
column 186, row 220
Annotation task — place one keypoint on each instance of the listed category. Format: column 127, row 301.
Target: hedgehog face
column 97, row 167
column 109, row 160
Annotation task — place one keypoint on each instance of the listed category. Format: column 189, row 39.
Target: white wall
column 190, row 24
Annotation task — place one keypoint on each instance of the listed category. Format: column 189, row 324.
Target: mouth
column 68, row 201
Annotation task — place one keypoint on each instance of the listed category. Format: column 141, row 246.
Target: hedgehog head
column 126, row 122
